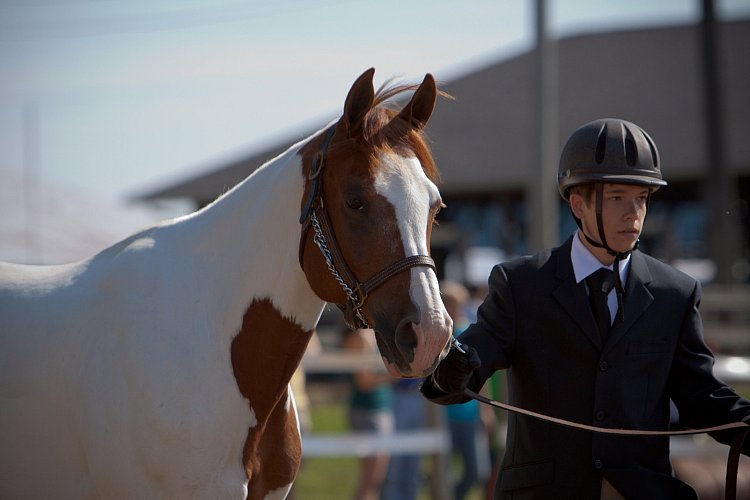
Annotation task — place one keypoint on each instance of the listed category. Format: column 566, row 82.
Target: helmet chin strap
column 598, row 201
column 599, row 198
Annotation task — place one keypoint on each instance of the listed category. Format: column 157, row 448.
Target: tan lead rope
column 735, row 449
column 602, row 430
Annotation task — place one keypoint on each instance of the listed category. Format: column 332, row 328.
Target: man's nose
column 634, row 209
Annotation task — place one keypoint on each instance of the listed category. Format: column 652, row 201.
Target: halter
column 316, row 216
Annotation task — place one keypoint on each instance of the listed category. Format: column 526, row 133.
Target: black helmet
column 609, row 150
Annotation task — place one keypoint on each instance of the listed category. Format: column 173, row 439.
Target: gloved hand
column 453, row 373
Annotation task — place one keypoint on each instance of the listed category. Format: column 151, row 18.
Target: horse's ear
column 420, row 107
column 358, row 101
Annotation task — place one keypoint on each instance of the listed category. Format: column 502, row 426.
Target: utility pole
column 31, row 173
column 541, row 190
column 722, row 195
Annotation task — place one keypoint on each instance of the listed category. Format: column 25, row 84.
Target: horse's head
column 369, row 205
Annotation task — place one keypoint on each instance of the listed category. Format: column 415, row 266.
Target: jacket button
column 603, row 366
column 598, row 464
column 599, row 415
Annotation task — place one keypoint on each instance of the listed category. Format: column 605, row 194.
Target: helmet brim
column 629, row 179
column 638, row 180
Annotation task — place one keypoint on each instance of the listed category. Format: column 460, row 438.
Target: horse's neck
column 253, row 232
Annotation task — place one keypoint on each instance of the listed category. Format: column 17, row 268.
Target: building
column 486, row 141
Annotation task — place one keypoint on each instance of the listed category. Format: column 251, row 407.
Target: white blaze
column 403, row 183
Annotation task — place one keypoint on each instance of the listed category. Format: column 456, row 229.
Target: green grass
column 327, row 478
column 335, row 478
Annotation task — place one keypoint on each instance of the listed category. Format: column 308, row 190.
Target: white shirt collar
column 584, row 262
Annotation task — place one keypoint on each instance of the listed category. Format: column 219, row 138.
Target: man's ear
column 577, row 205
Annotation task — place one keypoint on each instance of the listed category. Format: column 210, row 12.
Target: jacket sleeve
column 491, row 336
column 701, row 398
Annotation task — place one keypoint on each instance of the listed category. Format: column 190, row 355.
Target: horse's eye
column 355, row 204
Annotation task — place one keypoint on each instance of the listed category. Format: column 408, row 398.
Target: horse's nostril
column 406, row 339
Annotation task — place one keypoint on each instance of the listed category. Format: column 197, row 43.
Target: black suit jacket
column 537, row 324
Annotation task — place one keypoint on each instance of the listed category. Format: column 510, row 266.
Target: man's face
column 623, row 213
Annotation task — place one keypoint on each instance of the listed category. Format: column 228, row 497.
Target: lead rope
column 735, row 449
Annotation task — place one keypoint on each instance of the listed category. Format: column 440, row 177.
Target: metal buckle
column 361, row 297
column 317, row 165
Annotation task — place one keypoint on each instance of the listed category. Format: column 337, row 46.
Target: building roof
column 486, row 139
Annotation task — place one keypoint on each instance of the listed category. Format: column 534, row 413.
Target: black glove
column 453, row 373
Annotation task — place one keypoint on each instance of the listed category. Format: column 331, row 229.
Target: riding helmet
column 609, row 150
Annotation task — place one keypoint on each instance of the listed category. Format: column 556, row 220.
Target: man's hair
column 584, row 190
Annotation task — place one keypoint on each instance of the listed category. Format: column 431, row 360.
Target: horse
column 160, row 367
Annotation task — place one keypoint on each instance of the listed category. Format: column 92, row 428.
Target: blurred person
column 468, row 430
column 456, row 297
column 404, row 476
column 477, row 294
column 596, row 332
column 298, row 385
column 370, row 410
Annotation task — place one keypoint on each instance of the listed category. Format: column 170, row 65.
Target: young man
column 610, row 354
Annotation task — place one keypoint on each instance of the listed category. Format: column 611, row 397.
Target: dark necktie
column 600, row 283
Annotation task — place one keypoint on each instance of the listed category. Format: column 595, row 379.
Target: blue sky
column 129, row 96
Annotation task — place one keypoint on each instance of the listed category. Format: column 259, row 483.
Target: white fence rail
column 433, row 440
column 364, row 444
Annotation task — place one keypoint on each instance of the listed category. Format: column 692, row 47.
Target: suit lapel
column 572, row 296
column 636, row 298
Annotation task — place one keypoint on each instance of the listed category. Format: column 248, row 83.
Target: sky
column 118, row 98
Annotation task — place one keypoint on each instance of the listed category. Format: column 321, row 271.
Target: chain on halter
column 320, row 240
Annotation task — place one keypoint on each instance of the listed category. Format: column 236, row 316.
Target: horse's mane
column 400, row 134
